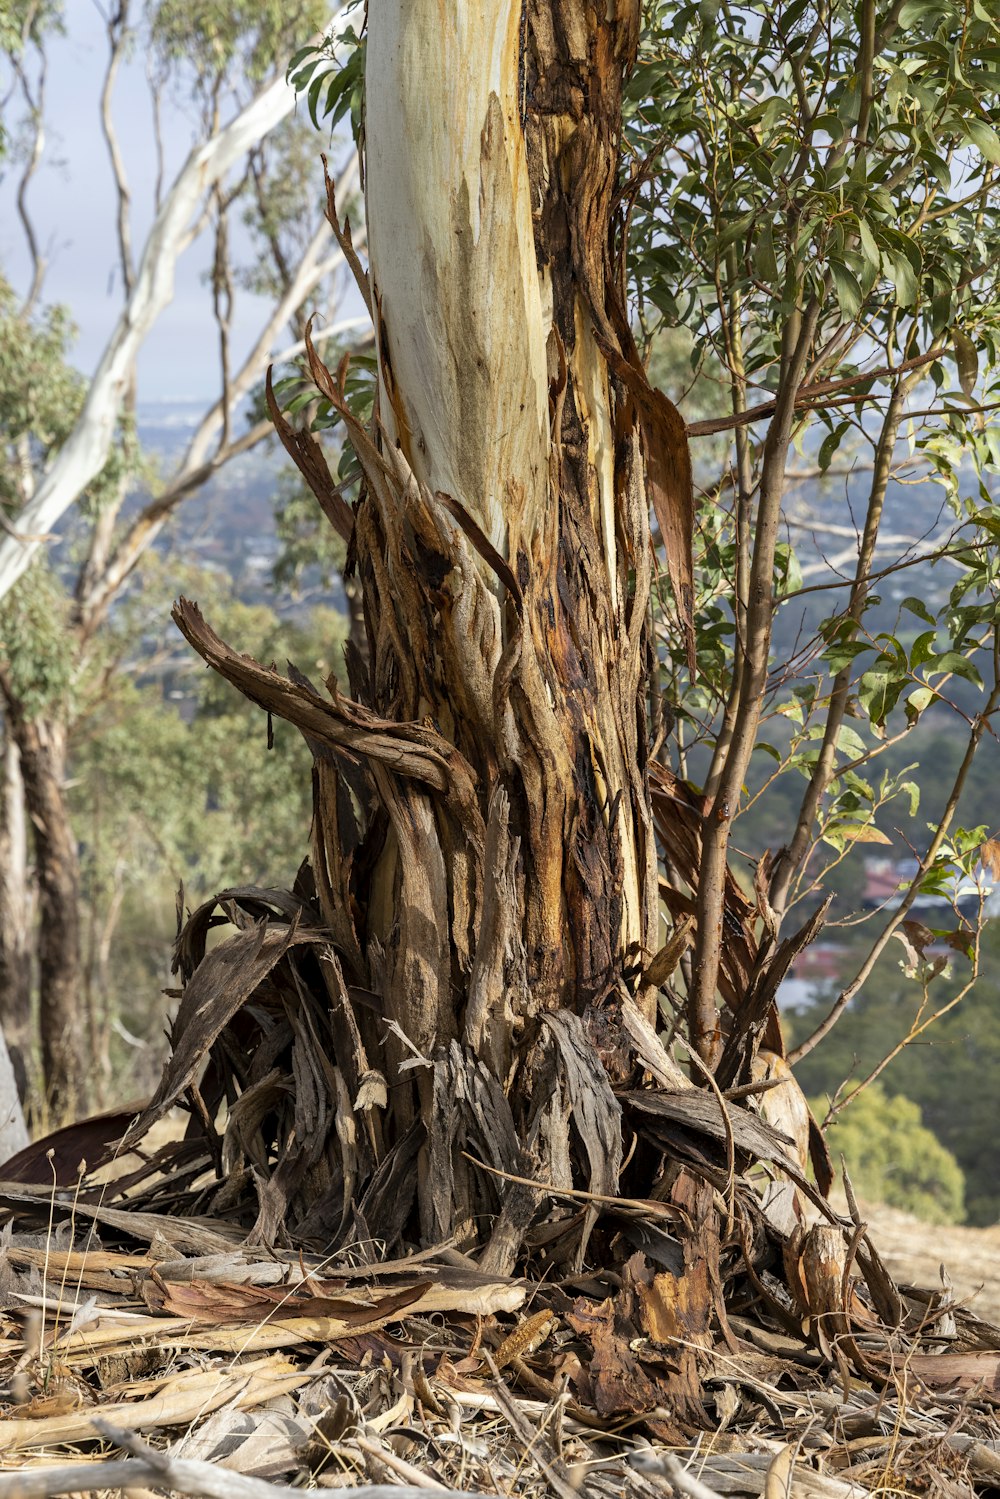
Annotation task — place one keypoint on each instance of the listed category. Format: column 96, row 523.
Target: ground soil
column 914, row 1252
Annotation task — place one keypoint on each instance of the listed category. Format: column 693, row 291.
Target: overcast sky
column 72, row 202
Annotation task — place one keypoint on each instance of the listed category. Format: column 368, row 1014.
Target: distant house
column 887, row 881
column 884, row 881
column 815, row 972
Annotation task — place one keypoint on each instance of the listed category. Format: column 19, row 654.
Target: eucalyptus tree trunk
column 495, row 290
column 15, row 905
column 41, row 746
column 502, row 902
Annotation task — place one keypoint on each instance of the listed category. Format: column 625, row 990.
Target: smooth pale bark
column 15, row 902
column 460, row 302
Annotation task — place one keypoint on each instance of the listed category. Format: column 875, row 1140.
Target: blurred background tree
column 892, row 1158
column 67, row 651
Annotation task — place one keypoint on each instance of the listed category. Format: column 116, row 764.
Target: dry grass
column 914, row 1252
column 178, row 1348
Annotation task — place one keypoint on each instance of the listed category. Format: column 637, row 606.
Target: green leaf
column 922, row 649
column 733, row 231
column 984, row 137
column 919, row 608
column 842, row 653
column 869, row 248
column 829, row 446
column 960, row 666
column 896, row 88
column 903, row 280
column 847, row 290
column 765, row 260
column 851, row 743
column 878, row 694
column 967, row 359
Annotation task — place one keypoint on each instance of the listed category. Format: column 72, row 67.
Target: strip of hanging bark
column 650, row 1052
column 671, row 487
column 40, row 1205
column 674, row 1120
column 59, row 1155
column 701, row 1112
column 679, row 812
column 593, row 1109
column 660, row 968
column 221, row 985
column 342, row 234
column 245, row 906
column 483, row 546
column 306, row 452
column 469, row 1108
column 407, row 749
column 755, row 1012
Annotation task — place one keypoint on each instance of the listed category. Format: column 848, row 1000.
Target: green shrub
column 893, row 1159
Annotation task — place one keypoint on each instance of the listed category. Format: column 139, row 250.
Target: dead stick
column 160, row 1470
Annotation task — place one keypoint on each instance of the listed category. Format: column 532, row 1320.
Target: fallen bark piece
column 264, row 1444
column 331, row 1301
column 746, row 1473
column 958, row 1371
column 188, row 1396
column 200, row 1480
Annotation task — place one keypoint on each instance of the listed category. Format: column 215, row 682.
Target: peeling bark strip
column 507, row 868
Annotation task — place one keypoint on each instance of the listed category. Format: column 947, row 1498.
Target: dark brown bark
column 41, row 746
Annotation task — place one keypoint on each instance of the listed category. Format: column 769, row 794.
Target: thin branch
column 949, row 551
column 36, row 109
column 744, row 508
column 222, row 308
column 903, row 910
column 156, row 105
column 816, row 392
column 816, row 788
column 799, row 332
column 117, row 26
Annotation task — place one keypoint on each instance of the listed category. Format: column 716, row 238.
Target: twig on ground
column 146, row 1466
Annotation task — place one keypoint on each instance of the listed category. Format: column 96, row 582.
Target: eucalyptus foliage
column 841, row 156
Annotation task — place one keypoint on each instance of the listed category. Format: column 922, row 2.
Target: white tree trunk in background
column 13, row 1130
column 86, row 450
